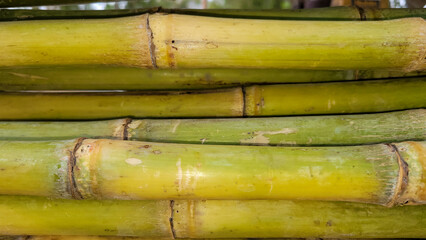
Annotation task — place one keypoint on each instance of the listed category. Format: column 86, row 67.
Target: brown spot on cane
column 156, row 152
column 211, row 45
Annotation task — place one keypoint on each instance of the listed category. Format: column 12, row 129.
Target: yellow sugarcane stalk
column 112, row 169
column 210, row 103
column 63, row 237
column 209, row 219
column 257, row 100
column 173, row 40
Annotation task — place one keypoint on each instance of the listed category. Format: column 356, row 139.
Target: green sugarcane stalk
column 209, row 219
column 23, row 3
column 212, row 103
column 258, row 100
column 62, row 237
column 302, row 131
column 112, row 169
column 323, row 14
column 105, row 78
column 169, row 41
column 332, row 98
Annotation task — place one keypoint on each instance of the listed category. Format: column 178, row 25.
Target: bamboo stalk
column 227, row 102
column 300, row 99
column 302, row 131
column 169, row 41
column 209, row 219
column 323, row 14
column 108, row 169
column 106, row 78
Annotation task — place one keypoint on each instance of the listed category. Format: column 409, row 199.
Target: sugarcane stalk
column 344, row 13
column 258, row 100
column 169, row 41
column 23, row 3
column 209, row 219
column 62, row 237
column 391, row 13
column 105, row 78
column 264, row 219
column 333, row 13
column 111, row 169
column 301, row 131
column 332, row 98
column 225, row 102
column 38, row 216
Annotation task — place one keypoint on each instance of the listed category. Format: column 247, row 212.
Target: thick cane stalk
column 295, row 219
column 308, row 130
column 271, row 100
column 227, row 102
column 170, row 41
column 323, row 14
column 106, row 78
column 108, row 169
column 38, row 216
column 209, row 219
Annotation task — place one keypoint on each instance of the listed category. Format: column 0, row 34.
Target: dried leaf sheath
column 173, row 40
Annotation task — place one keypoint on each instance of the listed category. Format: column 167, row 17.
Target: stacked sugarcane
column 162, row 123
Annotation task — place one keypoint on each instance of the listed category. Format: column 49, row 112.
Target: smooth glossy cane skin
column 131, row 170
column 169, row 41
